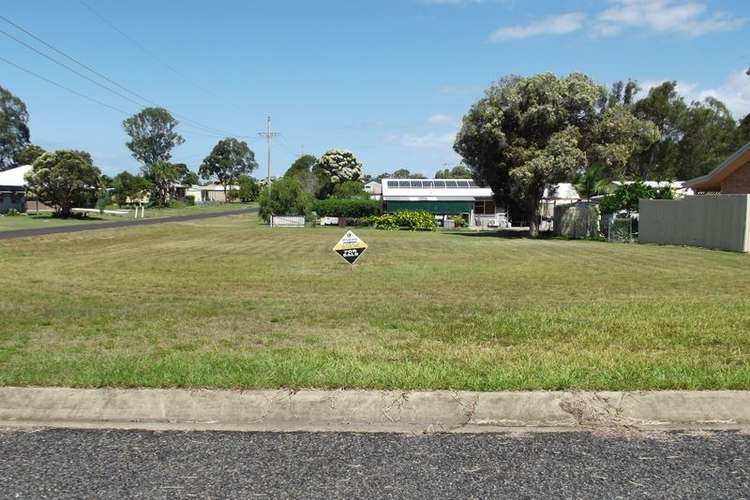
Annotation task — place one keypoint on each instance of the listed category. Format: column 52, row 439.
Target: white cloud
column 734, row 92
column 687, row 17
column 431, row 140
column 441, row 119
column 554, row 25
column 664, row 16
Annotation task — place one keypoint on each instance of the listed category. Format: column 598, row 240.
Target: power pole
column 268, row 135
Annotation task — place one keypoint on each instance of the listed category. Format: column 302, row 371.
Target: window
column 403, row 184
column 416, row 184
column 463, row 184
column 450, row 184
column 393, row 184
column 427, row 184
column 484, row 207
column 439, row 184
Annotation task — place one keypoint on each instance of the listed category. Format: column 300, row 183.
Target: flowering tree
column 338, row 166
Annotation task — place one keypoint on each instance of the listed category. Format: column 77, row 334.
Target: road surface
column 128, row 464
column 41, row 231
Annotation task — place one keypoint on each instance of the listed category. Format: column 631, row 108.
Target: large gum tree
column 529, row 133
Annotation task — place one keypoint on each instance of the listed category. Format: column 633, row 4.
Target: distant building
column 210, row 193
column 13, row 189
column 444, row 197
column 375, row 189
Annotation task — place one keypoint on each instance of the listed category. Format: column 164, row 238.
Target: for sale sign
column 350, row 247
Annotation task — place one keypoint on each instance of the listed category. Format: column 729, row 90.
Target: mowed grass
column 230, row 303
column 42, row 220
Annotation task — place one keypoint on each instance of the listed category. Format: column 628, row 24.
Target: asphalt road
column 24, row 233
column 139, row 464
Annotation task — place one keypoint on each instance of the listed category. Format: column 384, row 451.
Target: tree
column 695, row 137
column 350, row 189
column 28, row 154
column 14, row 127
column 285, row 197
column 128, row 187
column 457, row 172
column 163, row 176
column 249, row 189
column 743, row 131
column 334, row 167
column 530, row 133
column 403, row 173
column 62, row 179
column 301, row 165
column 229, row 159
column 153, row 136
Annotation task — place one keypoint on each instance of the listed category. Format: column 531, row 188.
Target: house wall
column 710, row 221
column 12, row 201
column 738, row 182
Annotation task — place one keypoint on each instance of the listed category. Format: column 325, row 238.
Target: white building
column 444, row 197
column 13, row 189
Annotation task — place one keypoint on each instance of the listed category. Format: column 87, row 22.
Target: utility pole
column 268, row 135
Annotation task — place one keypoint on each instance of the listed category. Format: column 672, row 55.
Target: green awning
column 435, row 207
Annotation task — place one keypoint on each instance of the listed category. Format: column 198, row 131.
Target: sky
column 386, row 79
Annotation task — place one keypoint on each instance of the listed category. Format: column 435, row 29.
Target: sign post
column 350, row 247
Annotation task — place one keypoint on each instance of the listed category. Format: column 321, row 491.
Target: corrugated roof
column 14, row 176
column 433, row 189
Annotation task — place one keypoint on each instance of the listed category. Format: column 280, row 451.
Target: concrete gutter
column 370, row 411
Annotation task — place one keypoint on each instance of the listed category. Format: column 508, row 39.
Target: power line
column 88, row 98
column 63, row 86
column 144, row 49
column 73, row 59
column 194, row 123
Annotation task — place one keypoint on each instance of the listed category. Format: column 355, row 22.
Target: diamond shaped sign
column 350, row 247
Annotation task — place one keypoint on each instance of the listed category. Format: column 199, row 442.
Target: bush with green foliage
column 249, row 189
column 459, row 220
column 414, row 220
column 104, row 200
column 626, row 197
column 350, row 189
column 285, row 197
column 354, row 207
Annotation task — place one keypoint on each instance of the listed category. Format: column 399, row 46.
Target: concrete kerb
column 371, row 411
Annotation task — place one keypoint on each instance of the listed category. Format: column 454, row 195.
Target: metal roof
column 433, row 189
column 14, row 176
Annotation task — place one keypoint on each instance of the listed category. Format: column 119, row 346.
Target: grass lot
column 48, row 220
column 230, row 303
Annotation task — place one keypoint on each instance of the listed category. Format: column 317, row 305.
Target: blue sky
column 387, row 79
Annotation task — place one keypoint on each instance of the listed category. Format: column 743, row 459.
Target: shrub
column 104, row 200
column 459, row 220
column 414, row 220
column 286, row 197
column 249, row 189
column 189, row 200
column 352, row 208
column 626, row 197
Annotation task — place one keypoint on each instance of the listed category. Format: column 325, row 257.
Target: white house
column 209, row 193
column 444, row 197
column 13, row 189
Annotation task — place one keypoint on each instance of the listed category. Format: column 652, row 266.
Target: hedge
column 354, row 207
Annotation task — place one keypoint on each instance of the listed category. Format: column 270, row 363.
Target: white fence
column 711, row 221
column 287, row 221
